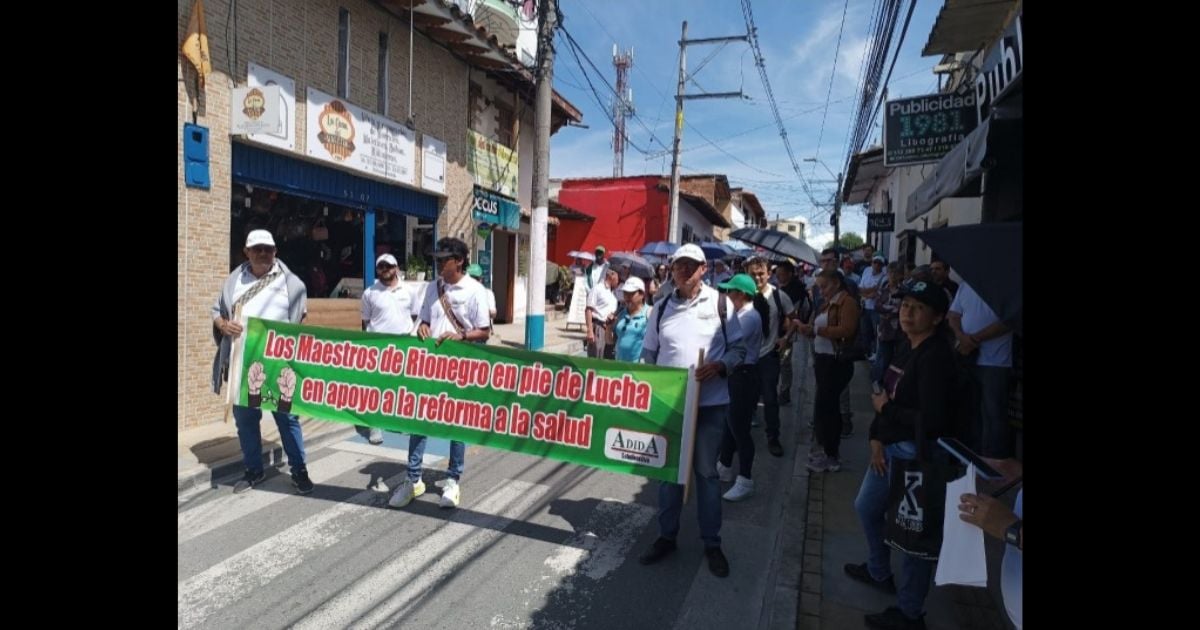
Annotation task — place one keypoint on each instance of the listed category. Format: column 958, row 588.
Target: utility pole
column 673, row 229
column 535, row 310
column 837, row 211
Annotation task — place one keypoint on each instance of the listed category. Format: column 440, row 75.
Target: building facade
column 344, row 164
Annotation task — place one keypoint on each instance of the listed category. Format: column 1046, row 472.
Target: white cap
column 634, row 283
column 692, row 251
column 259, row 237
column 387, row 258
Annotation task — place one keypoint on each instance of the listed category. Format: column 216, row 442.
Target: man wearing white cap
column 265, row 288
column 631, row 325
column 696, row 317
column 388, row 306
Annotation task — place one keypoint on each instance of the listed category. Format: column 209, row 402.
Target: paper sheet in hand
column 963, row 559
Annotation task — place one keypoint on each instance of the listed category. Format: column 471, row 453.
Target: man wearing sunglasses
column 265, row 288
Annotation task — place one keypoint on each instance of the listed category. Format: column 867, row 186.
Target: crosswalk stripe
column 396, row 584
column 220, row 511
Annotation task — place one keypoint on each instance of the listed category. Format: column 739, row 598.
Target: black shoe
column 893, row 619
column 774, row 447
column 249, row 480
column 659, row 550
column 847, row 426
column 717, row 562
column 303, row 484
column 860, row 573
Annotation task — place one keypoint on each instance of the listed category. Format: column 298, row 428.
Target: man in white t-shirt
column 976, row 327
column 601, row 310
column 387, row 306
column 265, row 288
column 467, row 320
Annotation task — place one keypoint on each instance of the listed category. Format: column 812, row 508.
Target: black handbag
column 916, row 508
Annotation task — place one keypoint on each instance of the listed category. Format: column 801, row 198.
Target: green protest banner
column 622, row 417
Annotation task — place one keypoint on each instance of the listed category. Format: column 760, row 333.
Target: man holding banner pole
column 455, row 307
column 696, row 318
column 260, row 287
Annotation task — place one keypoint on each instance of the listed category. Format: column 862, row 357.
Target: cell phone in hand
column 967, row 456
column 876, row 388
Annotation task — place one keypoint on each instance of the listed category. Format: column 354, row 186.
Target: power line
column 752, row 38
column 832, row 74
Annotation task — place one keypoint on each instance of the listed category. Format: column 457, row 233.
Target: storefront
column 329, row 224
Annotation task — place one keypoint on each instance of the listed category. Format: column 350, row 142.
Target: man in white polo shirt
column 265, row 288
column 465, row 319
column 682, row 325
column 387, row 306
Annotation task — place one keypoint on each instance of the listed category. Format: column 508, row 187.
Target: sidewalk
column 209, row 455
column 830, row 599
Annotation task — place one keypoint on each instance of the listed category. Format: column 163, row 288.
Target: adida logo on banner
column 625, row 445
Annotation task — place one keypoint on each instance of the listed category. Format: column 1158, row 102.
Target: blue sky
column 798, row 40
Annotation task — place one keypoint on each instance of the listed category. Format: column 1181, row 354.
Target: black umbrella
column 778, row 242
column 988, row 256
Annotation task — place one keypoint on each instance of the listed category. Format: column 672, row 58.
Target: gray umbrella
column 778, row 242
column 638, row 266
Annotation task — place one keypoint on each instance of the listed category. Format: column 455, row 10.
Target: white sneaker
column 450, row 495
column 406, row 493
column 724, row 472
column 379, row 486
column 742, row 489
column 376, row 436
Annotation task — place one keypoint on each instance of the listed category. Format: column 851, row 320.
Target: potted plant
column 415, row 266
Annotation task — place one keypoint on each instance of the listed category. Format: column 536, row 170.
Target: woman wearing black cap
column 913, row 409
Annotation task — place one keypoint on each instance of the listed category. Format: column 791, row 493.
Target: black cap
column 929, row 294
column 450, row 246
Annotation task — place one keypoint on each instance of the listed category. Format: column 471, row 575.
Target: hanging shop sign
column 284, row 135
column 255, row 110
column 494, row 209
column 357, row 139
column 925, row 128
column 491, row 164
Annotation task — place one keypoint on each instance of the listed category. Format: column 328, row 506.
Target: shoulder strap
column 778, row 309
column 450, row 314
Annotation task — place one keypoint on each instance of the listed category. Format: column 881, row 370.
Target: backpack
column 721, row 311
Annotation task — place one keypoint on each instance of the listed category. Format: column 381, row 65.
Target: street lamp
column 837, row 199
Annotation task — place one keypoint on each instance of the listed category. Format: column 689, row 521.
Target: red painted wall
column 629, row 211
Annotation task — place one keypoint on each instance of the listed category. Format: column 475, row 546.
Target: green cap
column 475, row 271
column 740, row 282
column 600, row 248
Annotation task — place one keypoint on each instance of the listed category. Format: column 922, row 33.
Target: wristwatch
column 1012, row 535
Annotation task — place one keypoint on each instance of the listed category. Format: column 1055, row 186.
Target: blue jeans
column 873, row 330
column 883, row 358
column 710, row 428
column 743, row 398
column 871, row 504
column 993, row 389
column 416, row 451
column 768, row 374
column 250, row 438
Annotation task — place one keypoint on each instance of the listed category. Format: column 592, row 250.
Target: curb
column 205, row 477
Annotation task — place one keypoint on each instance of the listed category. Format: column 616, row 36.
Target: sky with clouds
column 798, row 38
